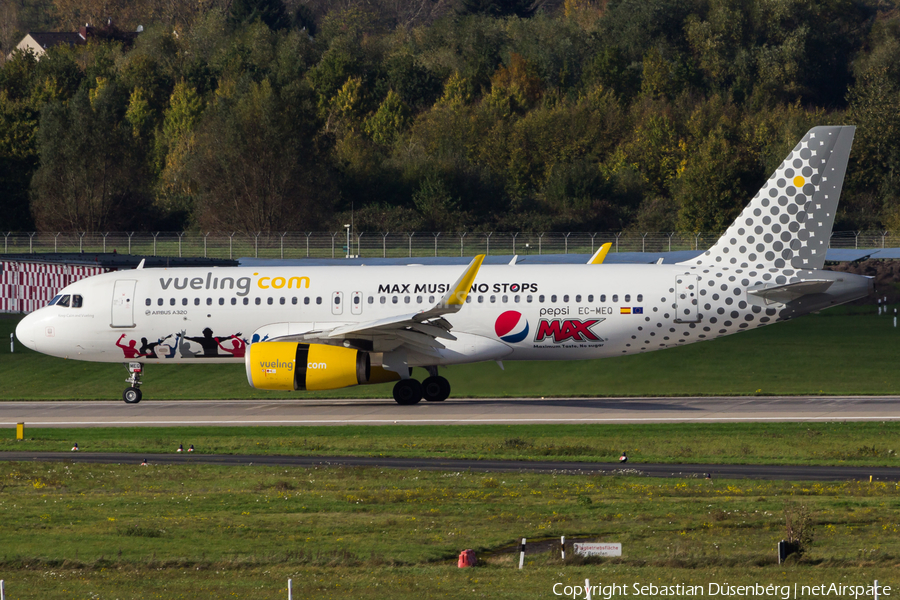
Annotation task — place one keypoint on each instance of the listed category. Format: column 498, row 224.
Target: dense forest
column 437, row 115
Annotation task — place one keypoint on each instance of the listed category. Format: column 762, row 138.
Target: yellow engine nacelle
column 293, row 366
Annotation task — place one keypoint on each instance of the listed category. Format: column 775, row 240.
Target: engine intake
column 293, row 366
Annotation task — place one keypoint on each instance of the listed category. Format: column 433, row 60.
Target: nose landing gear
column 132, row 395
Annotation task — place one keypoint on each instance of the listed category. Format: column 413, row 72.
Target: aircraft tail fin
column 788, row 223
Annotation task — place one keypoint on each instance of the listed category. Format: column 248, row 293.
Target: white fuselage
column 513, row 312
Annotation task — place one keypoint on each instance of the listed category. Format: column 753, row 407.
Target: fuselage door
column 687, row 307
column 337, row 303
column 123, row 303
column 356, row 303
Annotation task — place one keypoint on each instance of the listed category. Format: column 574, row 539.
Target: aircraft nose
column 25, row 332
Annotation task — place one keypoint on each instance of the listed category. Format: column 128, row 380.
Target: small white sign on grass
column 598, row 549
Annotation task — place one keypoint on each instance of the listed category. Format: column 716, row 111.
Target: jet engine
column 293, row 366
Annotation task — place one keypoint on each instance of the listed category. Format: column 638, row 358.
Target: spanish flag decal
column 625, row 310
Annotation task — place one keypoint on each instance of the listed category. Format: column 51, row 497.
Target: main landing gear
column 434, row 389
column 132, row 395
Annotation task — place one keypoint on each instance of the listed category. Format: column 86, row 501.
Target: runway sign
column 598, row 549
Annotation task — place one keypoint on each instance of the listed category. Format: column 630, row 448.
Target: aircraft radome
column 319, row 328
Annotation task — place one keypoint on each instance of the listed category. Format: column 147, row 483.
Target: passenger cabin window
column 541, row 298
column 281, row 300
column 566, row 298
column 602, row 297
column 234, row 301
column 294, row 300
column 553, row 298
column 306, row 300
column 258, row 301
column 318, row 299
column 578, row 298
column 246, row 301
column 196, row 301
column 148, row 302
column 627, row 297
column 171, row 301
column 221, row 301
column 159, row 302
column 184, row 301
column 269, row 301
column 615, row 298
column 590, row 297
column 640, row 297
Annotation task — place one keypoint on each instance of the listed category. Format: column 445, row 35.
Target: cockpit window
column 64, row 301
column 76, row 301
column 54, row 300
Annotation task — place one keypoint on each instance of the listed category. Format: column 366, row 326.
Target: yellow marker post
column 20, row 431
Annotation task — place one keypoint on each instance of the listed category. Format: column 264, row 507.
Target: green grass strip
column 868, row 444
column 842, row 351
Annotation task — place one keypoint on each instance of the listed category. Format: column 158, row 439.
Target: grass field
column 126, row 531
column 841, row 351
column 869, row 444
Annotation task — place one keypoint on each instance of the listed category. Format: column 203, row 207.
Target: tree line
column 508, row 115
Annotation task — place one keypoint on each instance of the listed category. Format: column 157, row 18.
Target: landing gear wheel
column 436, row 389
column 132, row 394
column 407, row 391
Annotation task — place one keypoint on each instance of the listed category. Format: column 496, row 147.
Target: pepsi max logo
column 511, row 327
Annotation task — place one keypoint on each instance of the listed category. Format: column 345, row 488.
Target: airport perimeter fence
column 374, row 244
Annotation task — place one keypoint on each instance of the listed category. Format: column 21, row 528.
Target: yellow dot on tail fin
column 799, row 181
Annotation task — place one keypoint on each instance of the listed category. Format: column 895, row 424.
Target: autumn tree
column 91, row 178
column 255, row 164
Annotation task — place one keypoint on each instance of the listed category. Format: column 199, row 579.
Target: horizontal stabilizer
column 791, row 291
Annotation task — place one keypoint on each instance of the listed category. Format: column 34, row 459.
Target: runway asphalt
column 164, row 413
column 765, row 472
column 460, row 411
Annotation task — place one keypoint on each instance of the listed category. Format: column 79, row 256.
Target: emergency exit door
column 123, row 303
column 687, row 292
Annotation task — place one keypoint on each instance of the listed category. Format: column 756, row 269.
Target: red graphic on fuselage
column 560, row 330
column 130, row 350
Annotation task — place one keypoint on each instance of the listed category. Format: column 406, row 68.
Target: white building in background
column 39, row 41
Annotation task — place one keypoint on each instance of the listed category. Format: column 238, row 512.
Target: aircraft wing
column 420, row 331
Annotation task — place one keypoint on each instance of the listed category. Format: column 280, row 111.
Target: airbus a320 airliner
column 320, row 328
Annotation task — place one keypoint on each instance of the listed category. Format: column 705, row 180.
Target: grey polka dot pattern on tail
column 788, row 223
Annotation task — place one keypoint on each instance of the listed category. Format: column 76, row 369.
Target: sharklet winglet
column 600, row 255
